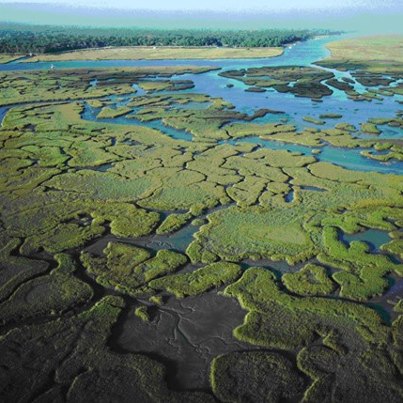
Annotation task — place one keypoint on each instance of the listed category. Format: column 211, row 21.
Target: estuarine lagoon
column 194, row 230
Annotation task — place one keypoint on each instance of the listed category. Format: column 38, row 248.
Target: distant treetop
column 20, row 38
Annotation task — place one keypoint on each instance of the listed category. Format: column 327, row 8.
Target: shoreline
column 159, row 53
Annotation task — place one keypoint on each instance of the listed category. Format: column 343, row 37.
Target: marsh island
column 203, row 230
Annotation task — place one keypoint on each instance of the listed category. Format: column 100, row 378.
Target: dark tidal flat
column 203, row 230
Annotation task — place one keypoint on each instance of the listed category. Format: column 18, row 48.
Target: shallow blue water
column 295, row 108
column 90, row 113
column 3, row 112
column 374, row 238
column 346, row 157
column 349, row 158
column 302, row 54
column 289, row 197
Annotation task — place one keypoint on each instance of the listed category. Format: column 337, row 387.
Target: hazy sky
column 364, row 16
column 220, row 5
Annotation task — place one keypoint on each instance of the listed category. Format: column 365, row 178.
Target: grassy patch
column 198, row 281
column 310, row 280
column 165, row 52
column 305, row 81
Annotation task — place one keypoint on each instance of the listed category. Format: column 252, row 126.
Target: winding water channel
column 186, row 334
column 295, row 108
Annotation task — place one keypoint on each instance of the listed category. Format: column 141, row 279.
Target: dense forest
column 17, row 38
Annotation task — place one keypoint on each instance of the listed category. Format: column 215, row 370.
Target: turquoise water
column 349, row 158
column 289, row 197
column 90, row 113
column 192, row 106
column 3, row 111
column 373, row 237
column 345, row 157
column 295, row 108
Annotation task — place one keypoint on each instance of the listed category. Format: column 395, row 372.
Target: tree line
column 18, row 38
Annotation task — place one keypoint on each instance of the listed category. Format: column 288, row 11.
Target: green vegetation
column 6, row 58
column 62, row 85
column 56, row 228
column 31, row 354
column 92, row 208
column 395, row 153
column 63, row 292
column 363, row 273
column 16, row 269
column 368, row 53
column 311, row 119
column 238, row 130
column 259, row 292
column 47, row 39
column 166, row 85
column 204, row 124
column 141, row 312
column 235, row 233
column 394, row 247
column 128, row 268
column 156, row 299
column 198, row 281
column 166, row 52
column 340, row 344
column 370, row 128
column 310, row 280
column 399, row 306
column 306, row 81
column 330, row 116
column 173, row 222
column 374, row 62
column 346, row 127
column 110, row 113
